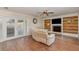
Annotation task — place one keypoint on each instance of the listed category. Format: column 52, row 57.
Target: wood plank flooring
column 28, row 44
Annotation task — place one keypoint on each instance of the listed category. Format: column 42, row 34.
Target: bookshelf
column 47, row 24
column 70, row 24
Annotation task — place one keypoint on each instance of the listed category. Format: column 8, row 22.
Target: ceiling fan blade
column 41, row 14
column 47, row 14
column 50, row 12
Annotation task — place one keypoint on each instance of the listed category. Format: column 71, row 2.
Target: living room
column 39, row 28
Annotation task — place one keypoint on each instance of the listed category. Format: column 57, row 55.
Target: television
column 56, row 21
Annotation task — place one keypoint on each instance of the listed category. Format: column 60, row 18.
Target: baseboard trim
column 14, row 38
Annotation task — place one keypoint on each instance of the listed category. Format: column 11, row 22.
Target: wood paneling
column 70, row 24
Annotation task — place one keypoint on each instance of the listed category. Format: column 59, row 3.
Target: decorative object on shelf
column 34, row 20
column 69, row 21
column 48, row 24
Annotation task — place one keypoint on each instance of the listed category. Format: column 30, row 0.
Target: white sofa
column 42, row 36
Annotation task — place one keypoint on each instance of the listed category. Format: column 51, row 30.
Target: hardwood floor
column 28, row 44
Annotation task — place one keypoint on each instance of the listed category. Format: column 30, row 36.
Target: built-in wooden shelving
column 70, row 24
column 47, row 24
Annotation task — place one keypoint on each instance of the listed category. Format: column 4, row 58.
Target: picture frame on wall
column 34, row 20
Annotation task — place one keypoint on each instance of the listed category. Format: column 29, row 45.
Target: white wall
column 31, row 25
column 28, row 18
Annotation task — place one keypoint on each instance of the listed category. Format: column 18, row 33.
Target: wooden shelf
column 47, row 24
column 70, row 24
column 73, row 32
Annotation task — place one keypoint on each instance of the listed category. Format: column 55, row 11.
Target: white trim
column 78, row 26
column 62, row 26
column 71, row 35
column 56, row 24
column 65, row 15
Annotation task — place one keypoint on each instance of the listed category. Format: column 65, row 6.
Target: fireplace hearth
column 57, row 28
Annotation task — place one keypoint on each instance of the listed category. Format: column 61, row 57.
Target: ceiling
column 35, row 10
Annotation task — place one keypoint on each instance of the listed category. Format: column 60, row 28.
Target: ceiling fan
column 46, row 13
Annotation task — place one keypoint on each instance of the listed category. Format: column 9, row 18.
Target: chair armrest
column 50, row 36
